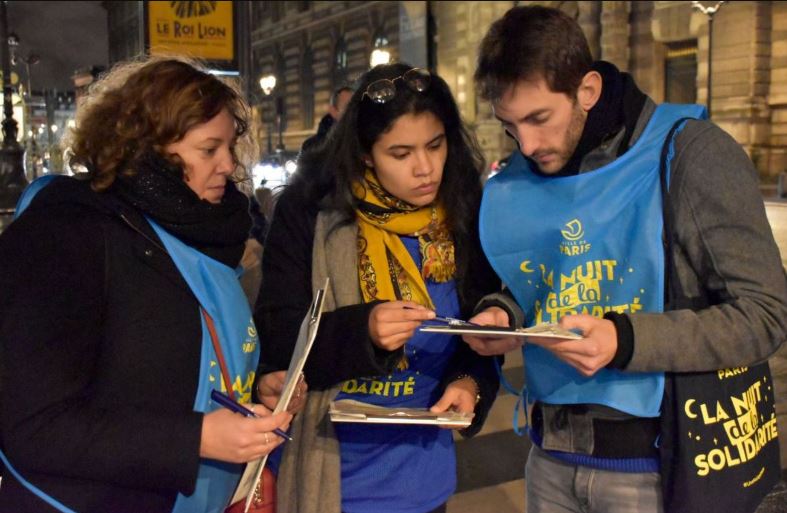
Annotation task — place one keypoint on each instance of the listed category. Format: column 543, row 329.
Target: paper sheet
column 306, row 336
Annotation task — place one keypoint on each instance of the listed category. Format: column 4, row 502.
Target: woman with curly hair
column 123, row 312
column 387, row 209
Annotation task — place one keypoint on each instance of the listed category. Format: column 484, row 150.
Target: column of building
column 460, row 28
column 777, row 93
column 646, row 57
column 589, row 18
column 740, row 75
column 615, row 33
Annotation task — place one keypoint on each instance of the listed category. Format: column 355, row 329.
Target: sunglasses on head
column 384, row 90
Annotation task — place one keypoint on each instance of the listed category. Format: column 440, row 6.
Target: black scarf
column 156, row 188
column 619, row 106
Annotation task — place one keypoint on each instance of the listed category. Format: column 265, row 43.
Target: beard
column 558, row 157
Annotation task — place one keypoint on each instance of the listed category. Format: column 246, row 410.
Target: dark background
column 65, row 35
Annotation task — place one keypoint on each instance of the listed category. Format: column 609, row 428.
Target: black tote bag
column 719, row 444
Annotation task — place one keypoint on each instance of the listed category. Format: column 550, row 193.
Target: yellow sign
column 198, row 29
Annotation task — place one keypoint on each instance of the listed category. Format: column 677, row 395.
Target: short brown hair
column 530, row 42
column 146, row 105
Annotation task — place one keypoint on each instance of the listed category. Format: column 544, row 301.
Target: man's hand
column 492, row 316
column 589, row 354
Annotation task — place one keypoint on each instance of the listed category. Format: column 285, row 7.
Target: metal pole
column 50, row 99
column 710, row 12
column 270, row 137
column 710, row 62
column 270, row 128
column 12, row 174
column 9, row 124
column 280, row 120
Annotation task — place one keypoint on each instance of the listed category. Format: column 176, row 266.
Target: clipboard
column 541, row 330
column 306, row 335
column 349, row 410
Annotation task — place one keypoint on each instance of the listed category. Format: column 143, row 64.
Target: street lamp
column 710, row 12
column 380, row 56
column 28, row 61
column 380, row 53
column 12, row 174
column 267, row 84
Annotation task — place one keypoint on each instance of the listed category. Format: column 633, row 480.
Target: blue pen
column 228, row 403
column 447, row 320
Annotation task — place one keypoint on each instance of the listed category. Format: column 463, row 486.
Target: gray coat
column 309, row 478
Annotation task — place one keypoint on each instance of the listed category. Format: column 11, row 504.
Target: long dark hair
column 327, row 172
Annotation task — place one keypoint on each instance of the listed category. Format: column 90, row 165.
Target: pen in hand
column 448, row 320
column 231, row 405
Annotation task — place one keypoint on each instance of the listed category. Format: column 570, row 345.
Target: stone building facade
column 649, row 40
column 314, row 46
column 664, row 45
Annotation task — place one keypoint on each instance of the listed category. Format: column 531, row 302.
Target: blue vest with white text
column 588, row 243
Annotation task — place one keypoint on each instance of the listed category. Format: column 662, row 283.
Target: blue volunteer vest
column 218, row 291
column 588, row 243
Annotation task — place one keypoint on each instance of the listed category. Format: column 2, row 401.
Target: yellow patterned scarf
column 385, row 268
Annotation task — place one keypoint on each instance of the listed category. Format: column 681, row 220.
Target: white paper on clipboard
column 306, row 336
column 541, row 330
column 349, row 410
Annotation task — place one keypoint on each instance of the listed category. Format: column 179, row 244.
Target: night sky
column 66, row 35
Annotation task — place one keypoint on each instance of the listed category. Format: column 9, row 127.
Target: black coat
column 326, row 123
column 100, row 355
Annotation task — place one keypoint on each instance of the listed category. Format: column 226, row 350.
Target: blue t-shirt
column 397, row 468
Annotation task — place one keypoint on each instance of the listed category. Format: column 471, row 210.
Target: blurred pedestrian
column 121, row 310
column 337, row 104
column 259, row 223
column 265, row 200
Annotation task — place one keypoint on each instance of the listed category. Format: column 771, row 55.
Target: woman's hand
column 487, row 346
column 270, row 386
column 231, row 437
column 391, row 324
column 459, row 396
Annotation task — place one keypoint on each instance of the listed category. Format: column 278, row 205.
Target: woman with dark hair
column 123, row 312
column 386, row 209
